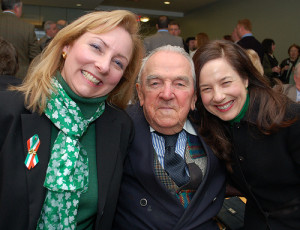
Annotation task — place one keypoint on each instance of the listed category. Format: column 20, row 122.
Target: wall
column 276, row 19
column 38, row 14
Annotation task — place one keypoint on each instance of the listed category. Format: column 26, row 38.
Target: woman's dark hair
column 267, row 45
column 267, row 107
column 8, row 58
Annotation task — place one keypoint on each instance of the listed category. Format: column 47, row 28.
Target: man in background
column 51, row 30
column 291, row 90
column 162, row 37
column 246, row 39
column 191, row 45
column 174, row 28
column 18, row 32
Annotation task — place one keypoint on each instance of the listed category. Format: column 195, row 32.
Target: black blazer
column 266, row 168
column 21, row 190
column 251, row 42
column 6, row 80
column 144, row 202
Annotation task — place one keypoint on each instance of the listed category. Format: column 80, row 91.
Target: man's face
column 192, row 45
column 52, row 31
column 166, row 91
column 174, row 30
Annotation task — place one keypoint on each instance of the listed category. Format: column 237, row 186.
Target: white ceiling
column 177, row 8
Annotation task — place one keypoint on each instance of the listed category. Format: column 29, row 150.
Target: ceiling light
column 144, row 19
column 78, row 4
column 167, row 3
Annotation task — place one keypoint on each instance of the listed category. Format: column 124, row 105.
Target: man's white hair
column 169, row 48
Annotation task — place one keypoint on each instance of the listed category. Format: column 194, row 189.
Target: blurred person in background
column 288, row 64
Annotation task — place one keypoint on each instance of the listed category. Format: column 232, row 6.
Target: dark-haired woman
column 288, row 64
column 255, row 129
column 270, row 63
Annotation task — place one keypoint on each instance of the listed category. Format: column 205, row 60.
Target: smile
column 90, row 77
column 225, row 106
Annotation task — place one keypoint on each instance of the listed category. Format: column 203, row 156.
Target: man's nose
column 167, row 92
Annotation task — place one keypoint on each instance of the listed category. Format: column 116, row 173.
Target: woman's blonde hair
column 38, row 79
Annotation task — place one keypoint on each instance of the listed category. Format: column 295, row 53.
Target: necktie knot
column 170, row 140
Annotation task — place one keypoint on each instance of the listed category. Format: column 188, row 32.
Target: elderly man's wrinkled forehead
column 169, row 52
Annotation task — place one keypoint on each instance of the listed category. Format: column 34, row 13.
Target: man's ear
column 140, row 93
column 193, row 102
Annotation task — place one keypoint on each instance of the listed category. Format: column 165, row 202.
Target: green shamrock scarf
column 67, row 173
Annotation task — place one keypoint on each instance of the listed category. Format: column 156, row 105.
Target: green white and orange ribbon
column 33, row 144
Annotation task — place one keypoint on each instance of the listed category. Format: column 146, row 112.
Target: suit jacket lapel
column 107, row 147
column 34, row 124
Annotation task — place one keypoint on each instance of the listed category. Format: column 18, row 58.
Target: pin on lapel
column 33, row 144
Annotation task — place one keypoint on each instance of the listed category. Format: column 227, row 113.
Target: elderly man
column 51, row 30
column 172, row 180
column 291, row 90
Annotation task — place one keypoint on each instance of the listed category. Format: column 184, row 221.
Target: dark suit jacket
column 160, row 39
column 251, row 42
column 144, row 202
column 6, row 81
column 21, row 34
column 21, row 190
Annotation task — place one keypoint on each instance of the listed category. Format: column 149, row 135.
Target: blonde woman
column 64, row 134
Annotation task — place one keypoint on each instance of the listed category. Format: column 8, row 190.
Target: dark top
column 266, row 169
column 6, row 81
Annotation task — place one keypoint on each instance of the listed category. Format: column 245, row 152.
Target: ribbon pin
column 33, row 144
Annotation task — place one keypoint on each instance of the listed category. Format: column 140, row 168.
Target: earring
column 64, row 55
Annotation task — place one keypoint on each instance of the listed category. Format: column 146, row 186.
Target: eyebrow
column 151, row 77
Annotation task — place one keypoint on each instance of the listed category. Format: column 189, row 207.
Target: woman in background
column 288, row 64
column 255, row 129
column 64, row 135
column 270, row 63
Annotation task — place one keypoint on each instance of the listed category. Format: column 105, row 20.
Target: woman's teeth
column 226, row 106
column 90, row 77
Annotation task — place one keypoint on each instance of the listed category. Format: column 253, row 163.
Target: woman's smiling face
column 95, row 63
column 223, row 91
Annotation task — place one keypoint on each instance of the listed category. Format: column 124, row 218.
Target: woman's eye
column 226, row 82
column 97, row 47
column 205, row 89
column 120, row 64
